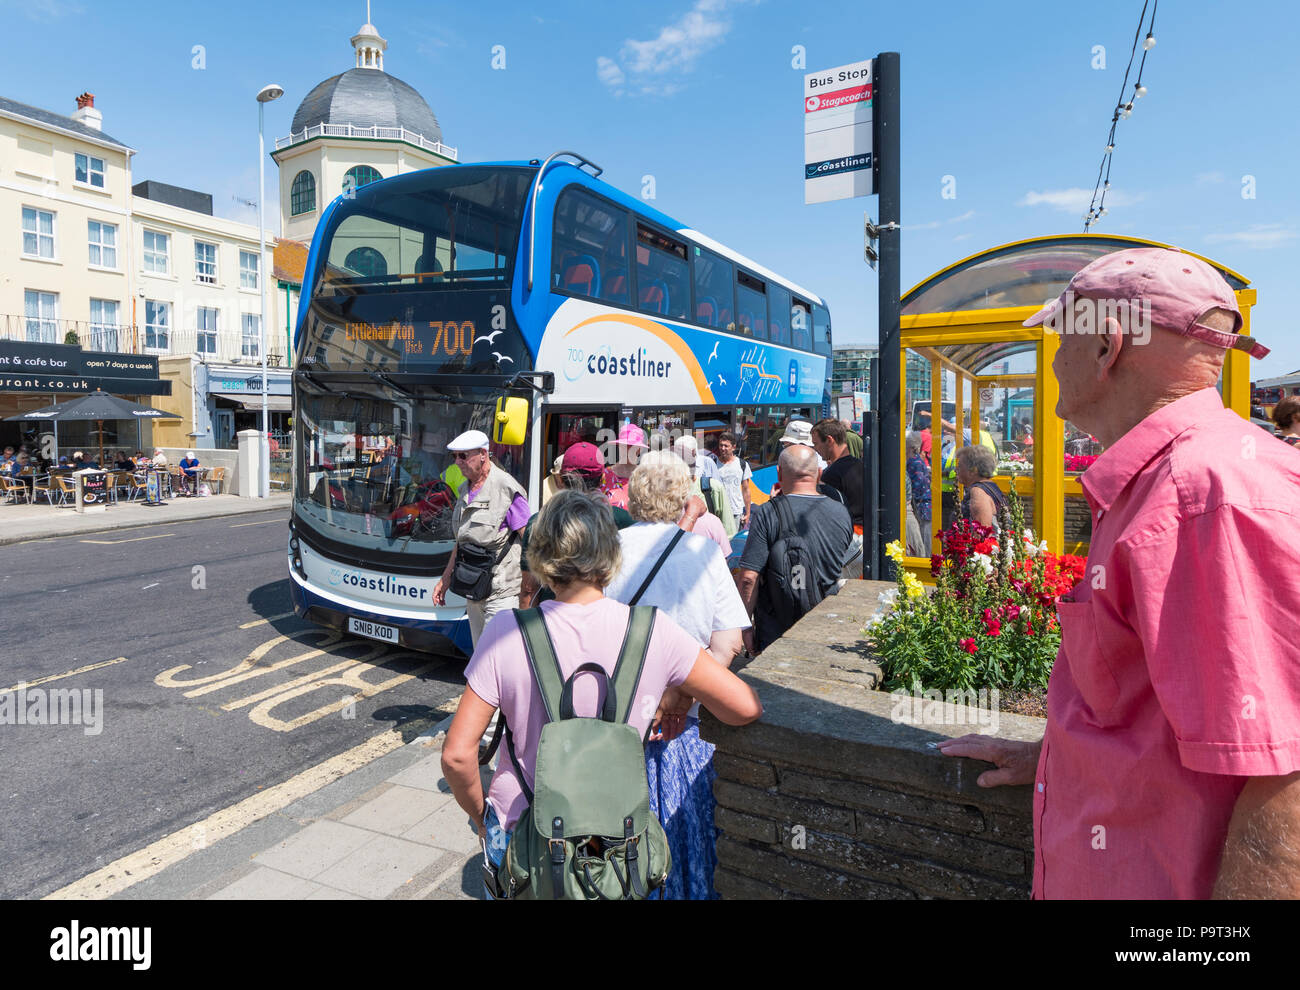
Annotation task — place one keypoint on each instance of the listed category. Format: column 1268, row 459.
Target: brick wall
column 826, row 796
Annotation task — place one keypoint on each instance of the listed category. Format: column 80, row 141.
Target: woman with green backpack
column 578, row 682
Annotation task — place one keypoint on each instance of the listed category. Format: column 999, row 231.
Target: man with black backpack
column 796, row 547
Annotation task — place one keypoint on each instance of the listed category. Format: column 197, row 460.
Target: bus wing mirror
column 511, row 424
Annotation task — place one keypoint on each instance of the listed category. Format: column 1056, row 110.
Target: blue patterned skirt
column 680, row 774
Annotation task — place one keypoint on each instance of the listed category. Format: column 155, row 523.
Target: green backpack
column 588, row 833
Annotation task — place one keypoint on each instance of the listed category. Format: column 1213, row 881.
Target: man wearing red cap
column 1170, row 766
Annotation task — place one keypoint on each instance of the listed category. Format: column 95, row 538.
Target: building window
column 38, row 233
column 205, row 263
column 206, row 339
column 247, row 270
column 103, row 244
column 366, row 262
column 90, row 170
column 157, row 324
column 302, row 195
column 156, row 248
column 41, row 310
column 251, row 334
column 103, row 325
column 358, row 176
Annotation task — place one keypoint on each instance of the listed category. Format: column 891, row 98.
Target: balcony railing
column 220, row 346
column 374, row 133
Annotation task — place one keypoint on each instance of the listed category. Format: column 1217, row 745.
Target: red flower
column 1012, row 612
column 968, row 645
column 993, row 628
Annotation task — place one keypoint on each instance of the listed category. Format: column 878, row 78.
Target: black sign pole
column 871, row 482
column 886, row 147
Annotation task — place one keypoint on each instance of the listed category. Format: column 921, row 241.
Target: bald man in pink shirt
column 1170, row 766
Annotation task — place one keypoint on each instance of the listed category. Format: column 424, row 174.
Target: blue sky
column 701, row 95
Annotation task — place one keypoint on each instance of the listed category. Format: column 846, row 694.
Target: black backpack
column 789, row 580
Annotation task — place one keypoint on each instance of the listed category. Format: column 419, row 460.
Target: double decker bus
column 540, row 305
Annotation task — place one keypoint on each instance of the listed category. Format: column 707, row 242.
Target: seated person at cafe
column 140, row 460
column 17, row 466
column 124, row 463
column 159, row 460
column 80, row 461
column 8, row 457
column 189, row 466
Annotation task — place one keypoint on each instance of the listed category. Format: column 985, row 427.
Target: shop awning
column 252, row 401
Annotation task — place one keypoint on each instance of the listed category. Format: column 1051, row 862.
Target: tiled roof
column 57, row 120
column 290, row 261
column 367, row 98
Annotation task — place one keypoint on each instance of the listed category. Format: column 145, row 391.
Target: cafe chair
column 41, row 486
column 67, row 490
column 216, row 480
column 137, row 484
column 16, row 490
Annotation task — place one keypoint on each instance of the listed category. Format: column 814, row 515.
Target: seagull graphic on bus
column 501, row 357
column 489, row 337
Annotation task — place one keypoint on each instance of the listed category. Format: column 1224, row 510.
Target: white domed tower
column 356, row 127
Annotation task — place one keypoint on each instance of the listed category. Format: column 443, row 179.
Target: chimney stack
column 86, row 113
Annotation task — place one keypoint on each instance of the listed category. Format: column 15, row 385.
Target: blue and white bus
column 430, row 296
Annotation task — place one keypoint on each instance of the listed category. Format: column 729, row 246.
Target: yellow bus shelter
column 965, row 320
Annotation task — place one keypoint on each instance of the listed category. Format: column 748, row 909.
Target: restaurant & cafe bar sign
column 64, row 368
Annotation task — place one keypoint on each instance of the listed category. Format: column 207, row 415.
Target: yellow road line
column 269, row 618
column 55, row 677
column 265, row 522
column 134, row 539
column 170, row 850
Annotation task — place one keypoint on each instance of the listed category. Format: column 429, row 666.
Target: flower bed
column 990, row 622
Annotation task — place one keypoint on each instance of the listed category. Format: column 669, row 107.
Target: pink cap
column 1171, row 289
column 583, row 457
column 632, row 436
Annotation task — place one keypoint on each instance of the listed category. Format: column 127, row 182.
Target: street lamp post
column 264, row 96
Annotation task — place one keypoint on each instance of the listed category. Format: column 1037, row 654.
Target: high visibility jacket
column 454, row 477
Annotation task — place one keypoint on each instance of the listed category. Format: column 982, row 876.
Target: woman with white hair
column 684, row 575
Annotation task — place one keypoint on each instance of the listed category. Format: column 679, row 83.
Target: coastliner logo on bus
column 387, row 584
column 635, row 364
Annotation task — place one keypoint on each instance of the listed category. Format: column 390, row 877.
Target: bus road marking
column 133, row 539
column 269, row 618
column 346, row 673
column 171, row 849
column 264, row 522
column 70, row 673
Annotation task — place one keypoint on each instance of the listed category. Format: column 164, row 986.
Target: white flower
column 887, row 598
column 1029, row 535
column 983, row 562
column 1042, row 547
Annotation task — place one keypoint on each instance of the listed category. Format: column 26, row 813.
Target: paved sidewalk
column 19, row 523
column 388, row 831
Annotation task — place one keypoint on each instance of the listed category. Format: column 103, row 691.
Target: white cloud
column 1075, row 199
column 43, row 10
column 608, row 72
column 934, row 224
column 1260, row 236
column 676, row 49
column 1209, row 178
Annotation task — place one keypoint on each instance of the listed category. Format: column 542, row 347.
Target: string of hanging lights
column 1123, row 110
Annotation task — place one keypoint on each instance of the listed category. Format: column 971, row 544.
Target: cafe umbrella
column 95, row 407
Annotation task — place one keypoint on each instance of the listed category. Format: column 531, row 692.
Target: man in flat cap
column 1170, row 766
column 488, row 517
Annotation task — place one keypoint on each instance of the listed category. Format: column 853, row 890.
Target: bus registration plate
column 374, row 630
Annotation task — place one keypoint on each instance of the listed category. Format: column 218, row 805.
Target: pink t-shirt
column 1177, row 677
column 711, row 526
column 593, row 633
